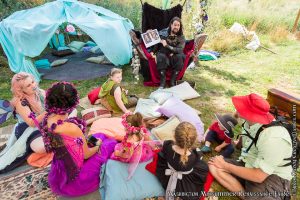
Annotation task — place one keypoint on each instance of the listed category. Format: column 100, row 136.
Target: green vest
column 107, row 92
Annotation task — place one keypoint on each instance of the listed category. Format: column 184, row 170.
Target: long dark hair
column 180, row 32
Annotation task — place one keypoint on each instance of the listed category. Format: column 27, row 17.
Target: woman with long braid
column 180, row 168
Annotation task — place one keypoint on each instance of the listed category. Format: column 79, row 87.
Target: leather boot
column 173, row 78
column 162, row 74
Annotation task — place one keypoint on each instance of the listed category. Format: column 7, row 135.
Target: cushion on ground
column 58, row 62
column 114, row 183
column 175, row 106
column 147, row 107
column 97, row 60
column 160, row 96
column 62, row 48
column 93, row 95
column 183, row 91
column 90, row 44
column 62, row 53
column 42, row 64
column 76, row 45
column 95, row 49
column 92, row 114
column 166, row 130
column 111, row 127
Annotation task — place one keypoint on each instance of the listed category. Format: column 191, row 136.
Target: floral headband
column 61, row 111
column 132, row 129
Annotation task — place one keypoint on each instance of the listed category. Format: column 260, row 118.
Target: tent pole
column 184, row 3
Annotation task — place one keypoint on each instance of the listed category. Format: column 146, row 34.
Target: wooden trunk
column 285, row 102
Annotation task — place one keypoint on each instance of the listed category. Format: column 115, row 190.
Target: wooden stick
column 296, row 22
column 262, row 46
column 267, row 49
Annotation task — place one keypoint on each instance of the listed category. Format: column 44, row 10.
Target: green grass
column 237, row 73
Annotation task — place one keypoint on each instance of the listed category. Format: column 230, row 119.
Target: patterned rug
column 31, row 183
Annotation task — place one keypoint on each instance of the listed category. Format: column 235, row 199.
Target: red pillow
column 151, row 167
column 93, row 95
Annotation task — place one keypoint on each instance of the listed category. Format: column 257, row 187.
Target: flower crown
column 132, row 129
column 61, row 111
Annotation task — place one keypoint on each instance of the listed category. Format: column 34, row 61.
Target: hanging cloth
column 155, row 18
column 166, row 4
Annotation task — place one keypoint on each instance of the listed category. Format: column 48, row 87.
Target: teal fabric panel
column 26, row 33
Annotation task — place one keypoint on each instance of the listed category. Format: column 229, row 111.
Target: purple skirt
column 88, row 179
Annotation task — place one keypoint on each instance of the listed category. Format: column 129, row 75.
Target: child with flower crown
column 136, row 146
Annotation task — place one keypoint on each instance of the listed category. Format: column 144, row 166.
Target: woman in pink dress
column 75, row 167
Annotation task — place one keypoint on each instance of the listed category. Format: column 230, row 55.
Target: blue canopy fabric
column 26, row 33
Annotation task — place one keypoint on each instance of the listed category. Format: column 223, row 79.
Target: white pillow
column 160, row 96
column 97, row 60
column 76, row 45
column 95, row 49
column 147, row 107
column 58, row 62
column 183, row 91
column 166, row 130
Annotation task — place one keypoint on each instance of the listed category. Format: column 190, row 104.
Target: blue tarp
column 26, row 33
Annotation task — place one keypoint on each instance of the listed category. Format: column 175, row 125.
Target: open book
column 151, row 38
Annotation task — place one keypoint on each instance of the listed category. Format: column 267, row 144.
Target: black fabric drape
column 155, row 18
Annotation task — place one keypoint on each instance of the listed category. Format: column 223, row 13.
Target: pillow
column 90, row 44
column 166, row 130
column 58, row 62
column 86, row 49
column 111, row 127
column 105, row 61
column 183, row 91
column 74, row 50
column 62, row 48
column 114, row 184
column 95, row 49
column 151, row 167
column 62, row 53
column 160, row 96
column 92, row 114
column 147, row 107
column 93, row 95
column 96, row 60
column 42, row 64
column 76, row 45
column 175, row 106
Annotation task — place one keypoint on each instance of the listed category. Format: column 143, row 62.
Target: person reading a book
column 169, row 53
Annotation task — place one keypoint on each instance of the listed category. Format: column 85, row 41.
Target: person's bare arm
column 118, row 98
column 24, row 112
column 251, row 174
column 221, row 146
column 73, row 130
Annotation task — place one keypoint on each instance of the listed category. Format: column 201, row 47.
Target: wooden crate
column 285, row 102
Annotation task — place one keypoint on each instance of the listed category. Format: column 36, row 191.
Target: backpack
column 280, row 121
